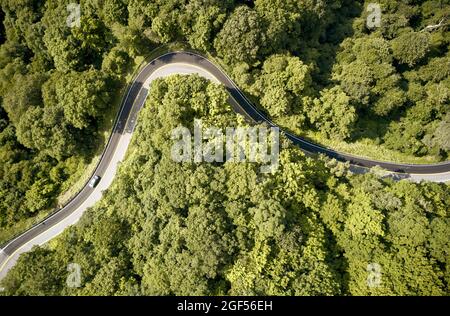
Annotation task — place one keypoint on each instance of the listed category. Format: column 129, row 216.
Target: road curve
column 163, row 66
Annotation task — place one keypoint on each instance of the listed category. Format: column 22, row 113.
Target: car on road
column 94, row 181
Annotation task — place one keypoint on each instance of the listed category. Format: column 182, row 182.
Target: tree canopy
column 314, row 67
column 310, row 228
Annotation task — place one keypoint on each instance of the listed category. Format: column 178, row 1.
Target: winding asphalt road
column 163, row 66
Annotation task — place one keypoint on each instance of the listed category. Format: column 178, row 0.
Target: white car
column 94, row 181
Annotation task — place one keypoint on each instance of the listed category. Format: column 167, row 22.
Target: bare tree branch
column 431, row 28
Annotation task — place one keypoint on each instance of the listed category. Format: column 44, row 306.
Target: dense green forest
column 311, row 65
column 311, row 228
column 314, row 67
column 56, row 86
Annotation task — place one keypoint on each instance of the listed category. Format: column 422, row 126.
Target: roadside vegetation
column 311, row 228
column 314, row 67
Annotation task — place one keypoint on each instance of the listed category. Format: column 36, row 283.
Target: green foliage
column 75, row 48
column 241, row 39
column 332, row 114
column 368, row 77
column 201, row 21
column 39, row 196
column 83, row 96
column 53, row 98
column 409, row 48
column 115, row 62
column 282, row 83
column 114, row 11
column 310, row 228
column 440, row 136
column 44, row 277
column 46, row 131
column 390, row 225
column 23, row 94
